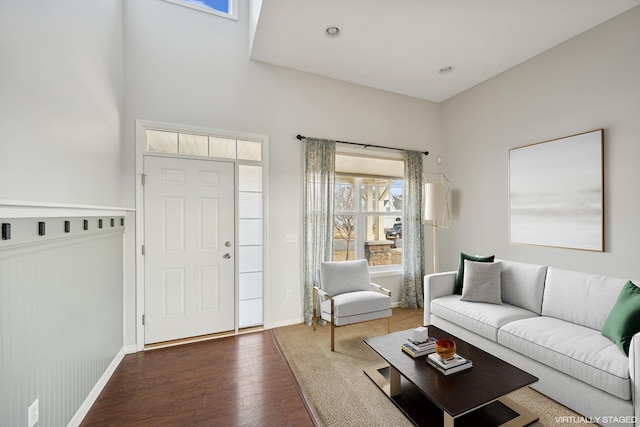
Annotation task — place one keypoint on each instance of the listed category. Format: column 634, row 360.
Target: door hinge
column 143, row 319
column 144, row 178
column 143, row 251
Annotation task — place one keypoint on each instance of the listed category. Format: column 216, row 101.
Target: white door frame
column 141, row 126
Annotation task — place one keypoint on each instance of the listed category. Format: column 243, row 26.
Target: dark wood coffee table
column 472, row 397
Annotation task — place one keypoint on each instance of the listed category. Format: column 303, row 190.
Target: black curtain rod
column 426, row 153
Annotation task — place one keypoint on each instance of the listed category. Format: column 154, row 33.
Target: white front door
column 189, row 257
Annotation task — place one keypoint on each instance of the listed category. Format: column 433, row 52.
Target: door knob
column 226, row 256
column 227, row 243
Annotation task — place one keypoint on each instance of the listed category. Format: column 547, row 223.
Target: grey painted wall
column 591, row 81
column 61, row 83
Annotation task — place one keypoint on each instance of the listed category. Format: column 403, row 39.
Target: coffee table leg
column 394, row 382
column 524, row 416
column 448, row 420
column 390, row 387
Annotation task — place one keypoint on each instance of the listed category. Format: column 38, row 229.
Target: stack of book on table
column 449, row 366
column 419, row 348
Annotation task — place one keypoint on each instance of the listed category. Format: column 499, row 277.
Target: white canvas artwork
column 556, row 193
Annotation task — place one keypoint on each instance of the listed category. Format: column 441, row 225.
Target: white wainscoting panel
column 61, row 314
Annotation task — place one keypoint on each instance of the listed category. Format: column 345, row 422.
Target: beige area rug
column 340, row 394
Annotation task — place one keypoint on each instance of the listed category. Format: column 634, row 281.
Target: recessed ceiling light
column 446, row 70
column 332, row 31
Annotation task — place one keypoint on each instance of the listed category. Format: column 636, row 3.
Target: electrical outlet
column 287, row 295
column 291, row 238
column 34, row 413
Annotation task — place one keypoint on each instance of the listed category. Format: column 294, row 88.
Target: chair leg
column 389, row 324
column 314, row 320
column 332, row 324
column 332, row 340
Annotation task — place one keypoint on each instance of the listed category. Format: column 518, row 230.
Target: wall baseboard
column 131, row 348
column 281, row 323
column 97, row 389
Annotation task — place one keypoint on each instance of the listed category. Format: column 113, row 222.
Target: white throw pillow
column 481, row 282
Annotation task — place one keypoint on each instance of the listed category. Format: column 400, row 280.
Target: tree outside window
column 343, row 219
column 368, row 220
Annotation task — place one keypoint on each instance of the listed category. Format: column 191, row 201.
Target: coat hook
column 6, row 231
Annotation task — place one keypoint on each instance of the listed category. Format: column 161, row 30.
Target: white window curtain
column 412, row 232
column 319, row 179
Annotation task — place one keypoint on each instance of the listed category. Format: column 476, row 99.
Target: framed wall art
column 556, row 192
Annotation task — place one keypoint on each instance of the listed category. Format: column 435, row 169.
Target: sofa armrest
column 437, row 285
column 634, row 372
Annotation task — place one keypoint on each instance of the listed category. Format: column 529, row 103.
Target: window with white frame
column 368, row 209
column 224, row 8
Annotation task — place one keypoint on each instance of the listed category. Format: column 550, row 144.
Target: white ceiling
column 400, row 45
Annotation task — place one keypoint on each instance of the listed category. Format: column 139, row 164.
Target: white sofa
column 549, row 324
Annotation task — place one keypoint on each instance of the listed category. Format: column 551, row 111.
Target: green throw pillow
column 460, row 275
column 623, row 321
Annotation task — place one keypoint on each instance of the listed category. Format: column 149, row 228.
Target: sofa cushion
column 481, row 282
column 623, row 321
column 460, row 275
column 522, row 284
column 575, row 350
column 355, row 307
column 479, row 317
column 581, row 298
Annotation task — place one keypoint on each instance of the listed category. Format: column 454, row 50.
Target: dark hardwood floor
column 233, row 381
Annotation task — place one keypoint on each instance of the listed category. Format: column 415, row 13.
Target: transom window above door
column 160, row 141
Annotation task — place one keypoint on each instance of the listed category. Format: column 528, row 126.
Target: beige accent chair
column 346, row 296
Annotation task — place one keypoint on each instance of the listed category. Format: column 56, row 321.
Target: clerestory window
column 225, row 8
